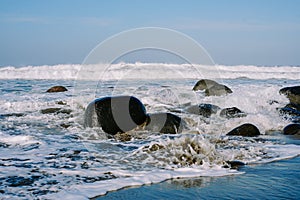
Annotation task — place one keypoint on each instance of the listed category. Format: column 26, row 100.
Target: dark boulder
column 218, row 90
column 234, row 164
column 233, row 112
column 247, row 130
column 292, row 129
column 2, row 116
column 116, row 114
column 61, row 103
column 57, row 89
column 293, row 106
column 164, row 123
column 292, row 93
column 203, row 109
column 204, row 84
column 56, row 111
column 212, row 88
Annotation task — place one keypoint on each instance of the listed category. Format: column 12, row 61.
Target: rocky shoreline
column 120, row 114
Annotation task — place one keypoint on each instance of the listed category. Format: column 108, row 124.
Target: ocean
column 46, row 153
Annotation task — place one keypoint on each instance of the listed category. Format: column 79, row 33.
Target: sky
column 233, row 32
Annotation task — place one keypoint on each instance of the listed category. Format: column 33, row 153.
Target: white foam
column 17, row 139
column 86, row 191
column 280, row 152
column 148, row 71
column 251, row 96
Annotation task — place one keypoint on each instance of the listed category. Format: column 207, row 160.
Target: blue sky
column 256, row 32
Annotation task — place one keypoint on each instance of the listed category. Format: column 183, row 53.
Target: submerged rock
column 203, row 109
column 247, row 130
column 233, row 112
column 164, row 123
column 116, row 114
column 212, row 88
column 292, row 129
column 57, row 89
column 292, row 93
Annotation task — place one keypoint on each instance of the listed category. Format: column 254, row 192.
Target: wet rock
column 164, row 123
column 292, row 93
column 56, row 111
column 61, row 103
column 50, row 110
column 212, row 88
column 152, row 148
column 203, row 109
column 65, row 125
column 234, row 164
column 292, row 129
column 290, row 112
column 204, row 84
column 65, row 111
column 156, row 147
column 232, row 112
column 57, row 89
column 123, row 137
column 2, row 116
column 247, row 130
column 293, row 106
column 93, row 179
column 116, row 114
column 218, row 90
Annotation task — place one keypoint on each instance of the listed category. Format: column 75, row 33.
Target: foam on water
column 137, row 179
column 142, row 71
column 51, row 155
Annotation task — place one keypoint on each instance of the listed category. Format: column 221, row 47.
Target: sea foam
column 148, row 71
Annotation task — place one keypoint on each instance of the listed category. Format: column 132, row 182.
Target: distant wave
column 148, row 71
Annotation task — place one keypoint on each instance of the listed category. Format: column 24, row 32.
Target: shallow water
column 277, row 180
column 50, row 155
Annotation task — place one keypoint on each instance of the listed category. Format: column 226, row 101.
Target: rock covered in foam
column 117, row 114
column 232, row 112
column 290, row 112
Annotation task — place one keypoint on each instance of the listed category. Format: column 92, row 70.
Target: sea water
column 47, row 155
